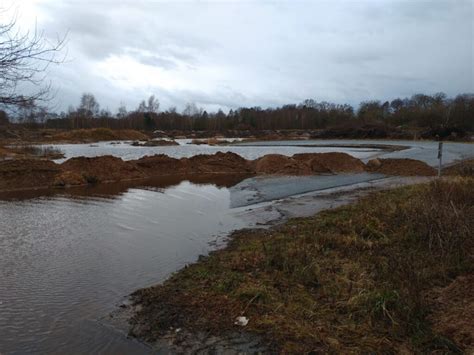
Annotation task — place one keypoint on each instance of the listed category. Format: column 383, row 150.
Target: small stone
column 242, row 321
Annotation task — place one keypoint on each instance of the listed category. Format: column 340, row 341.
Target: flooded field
column 426, row 151
column 126, row 151
column 68, row 258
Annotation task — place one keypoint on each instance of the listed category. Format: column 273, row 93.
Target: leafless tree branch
column 24, row 60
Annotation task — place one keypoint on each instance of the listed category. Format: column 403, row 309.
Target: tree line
column 419, row 111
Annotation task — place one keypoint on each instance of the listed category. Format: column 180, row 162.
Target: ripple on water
column 66, row 261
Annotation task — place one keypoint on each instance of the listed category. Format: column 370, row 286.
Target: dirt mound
column 98, row 134
column 454, row 312
column 333, row 162
column 69, row 178
column 159, row 164
column 155, row 143
column 209, row 141
column 280, row 164
column 402, row 167
column 103, row 169
column 217, row 163
column 27, row 173
column 463, row 168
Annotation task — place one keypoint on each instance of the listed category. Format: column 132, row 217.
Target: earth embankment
column 38, row 173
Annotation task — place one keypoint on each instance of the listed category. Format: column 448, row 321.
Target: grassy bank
column 365, row 277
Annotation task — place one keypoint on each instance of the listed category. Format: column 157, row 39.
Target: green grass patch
column 351, row 280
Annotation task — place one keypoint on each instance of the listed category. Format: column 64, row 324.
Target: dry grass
column 350, row 280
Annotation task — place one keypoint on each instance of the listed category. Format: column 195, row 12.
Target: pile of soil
column 332, row 162
column 98, row 134
column 402, row 167
column 27, row 173
column 69, row 178
column 103, row 169
column 155, row 143
column 217, row 163
column 454, row 312
column 159, row 164
column 463, row 168
column 209, row 141
column 308, row 163
column 33, row 173
column 280, row 164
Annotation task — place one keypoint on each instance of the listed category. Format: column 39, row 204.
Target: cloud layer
column 229, row 54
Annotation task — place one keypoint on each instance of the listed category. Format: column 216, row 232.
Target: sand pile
column 463, row 168
column 159, row 164
column 69, row 178
column 217, row 163
column 98, row 134
column 308, row 163
column 280, row 164
column 103, row 169
column 27, row 173
column 333, row 162
column 209, row 141
column 155, row 143
column 402, row 167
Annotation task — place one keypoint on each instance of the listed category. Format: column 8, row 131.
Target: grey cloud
column 157, row 61
column 264, row 53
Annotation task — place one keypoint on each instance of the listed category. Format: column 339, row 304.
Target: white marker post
column 440, row 157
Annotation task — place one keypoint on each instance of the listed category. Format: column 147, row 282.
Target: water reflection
column 68, row 257
column 113, row 190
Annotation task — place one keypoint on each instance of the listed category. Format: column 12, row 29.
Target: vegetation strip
column 365, row 277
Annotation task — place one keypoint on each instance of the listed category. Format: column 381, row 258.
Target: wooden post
column 440, row 157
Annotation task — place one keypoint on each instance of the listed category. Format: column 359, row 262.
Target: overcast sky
column 255, row 53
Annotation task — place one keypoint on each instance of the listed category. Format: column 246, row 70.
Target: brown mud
column 9, row 136
column 36, row 173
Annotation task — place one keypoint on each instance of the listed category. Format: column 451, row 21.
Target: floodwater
column 68, row 258
column 426, row 151
column 126, row 151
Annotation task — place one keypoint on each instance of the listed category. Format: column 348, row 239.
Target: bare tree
column 122, row 111
column 151, row 105
column 89, row 107
column 24, row 59
column 192, row 110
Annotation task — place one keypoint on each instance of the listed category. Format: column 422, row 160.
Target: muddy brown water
column 68, row 258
